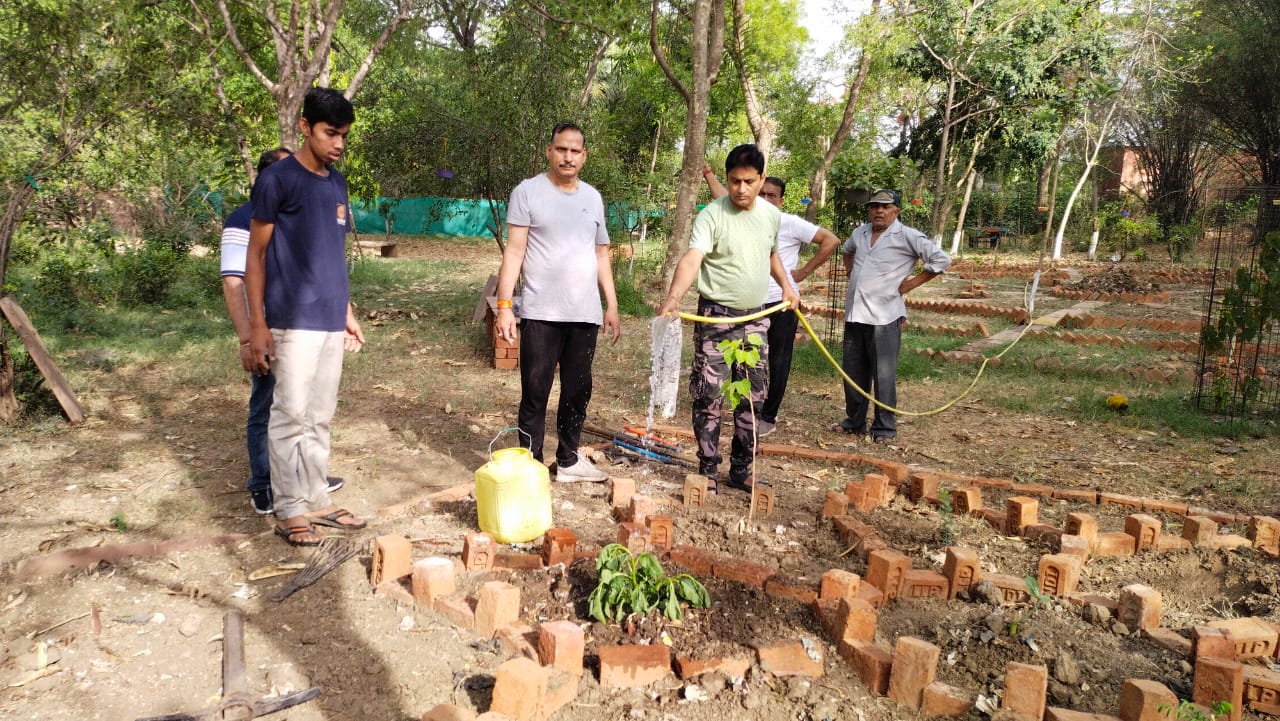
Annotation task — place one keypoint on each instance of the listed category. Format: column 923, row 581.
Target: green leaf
column 647, row 567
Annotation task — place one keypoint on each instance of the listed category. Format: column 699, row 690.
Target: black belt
column 710, row 307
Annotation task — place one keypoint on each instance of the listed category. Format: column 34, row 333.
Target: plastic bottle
column 513, row 495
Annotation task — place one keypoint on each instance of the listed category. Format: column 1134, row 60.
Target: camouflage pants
column 705, row 387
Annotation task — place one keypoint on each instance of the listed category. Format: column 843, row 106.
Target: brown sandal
column 288, row 533
column 333, row 520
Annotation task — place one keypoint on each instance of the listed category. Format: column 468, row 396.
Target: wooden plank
column 35, row 347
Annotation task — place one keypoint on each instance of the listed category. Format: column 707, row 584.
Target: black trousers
column 543, row 345
column 782, row 342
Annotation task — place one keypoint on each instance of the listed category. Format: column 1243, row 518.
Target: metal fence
column 1239, row 375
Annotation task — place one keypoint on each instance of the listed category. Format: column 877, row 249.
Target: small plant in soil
column 636, row 583
column 1038, row 598
column 947, row 517
column 1187, row 711
column 748, row 355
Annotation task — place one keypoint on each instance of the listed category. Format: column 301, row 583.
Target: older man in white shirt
column 881, row 254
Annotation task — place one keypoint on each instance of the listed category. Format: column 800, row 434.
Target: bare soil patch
column 162, row 457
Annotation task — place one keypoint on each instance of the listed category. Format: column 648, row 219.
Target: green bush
column 1182, row 239
column 637, row 584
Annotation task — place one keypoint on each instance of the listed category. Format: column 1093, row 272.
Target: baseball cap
column 883, row 197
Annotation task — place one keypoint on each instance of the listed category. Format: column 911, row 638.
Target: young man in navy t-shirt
column 300, row 312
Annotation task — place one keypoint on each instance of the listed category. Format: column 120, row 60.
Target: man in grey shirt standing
column 881, row 254
column 556, row 238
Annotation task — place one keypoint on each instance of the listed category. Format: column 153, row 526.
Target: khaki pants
column 307, row 367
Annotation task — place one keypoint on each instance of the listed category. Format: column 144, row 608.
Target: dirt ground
column 162, row 458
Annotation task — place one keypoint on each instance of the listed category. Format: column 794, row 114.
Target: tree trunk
column 9, row 406
column 1088, row 168
column 944, row 148
column 964, row 210
column 648, row 186
column 818, row 185
column 708, row 47
column 762, row 127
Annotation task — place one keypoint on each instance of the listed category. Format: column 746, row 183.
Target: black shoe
column 747, row 482
column 263, row 503
column 335, row 483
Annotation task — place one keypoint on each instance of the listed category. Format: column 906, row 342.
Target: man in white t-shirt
column 556, row 239
column 794, row 232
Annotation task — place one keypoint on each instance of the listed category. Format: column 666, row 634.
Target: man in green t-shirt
column 732, row 252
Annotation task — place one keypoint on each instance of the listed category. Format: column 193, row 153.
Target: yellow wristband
column 504, row 304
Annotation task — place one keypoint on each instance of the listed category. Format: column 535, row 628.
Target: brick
column 1139, row 606
column 1074, row 545
column 1231, row 541
column 478, row 551
column 801, row 591
column 559, row 545
column 966, row 501
column 1076, row 495
column 752, row 574
column 915, row 663
column 1119, row 499
column 448, row 712
column 835, row 504
column 1058, row 574
column 1213, row 642
column 497, row 606
column 885, row 569
column 661, row 531
column 561, row 644
column 392, row 559
column 1032, row 489
column 506, row 364
column 1054, row 713
column 622, row 489
column 395, row 590
column 1012, row 588
column 1141, row 701
column 857, row 495
column 514, row 561
column 855, row 621
column 871, row 663
column 1253, row 637
column 695, row 490
column 519, row 687
column 871, row 595
column 1177, row 508
column 1166, row 543
column 1025, row 687
column 792, row 659
column 698, row 561
column 839, row 583
column 640, row 508
column 996, row 519
column 1169, row 640
column 1217, row 679
column 456, row 609
column 878, row 489
column 960, row 569
column 923, row 584
column 1115, row 543
column 432, row 577
column 1145, row 530
column 1082, row 524
column 1043, row 533
column 734, row 668
column 871, row 545
column 633, row 666
column 1201, row 531
column 1003, row 484
column 518, row 639
column 1264, row 533
column 1262, row 690
column 894, row 471
column 923, row 486
column 1020, row 512
column 562, row 689
column 762, row 501
column 852, row 531
column 940, row 699
column 634, row 536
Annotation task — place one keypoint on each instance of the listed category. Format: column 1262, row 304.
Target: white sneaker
column 764, row 428
column 581, row 470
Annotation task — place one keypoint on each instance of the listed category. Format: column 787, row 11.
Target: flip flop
column 288, row 532
column 332, row 520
